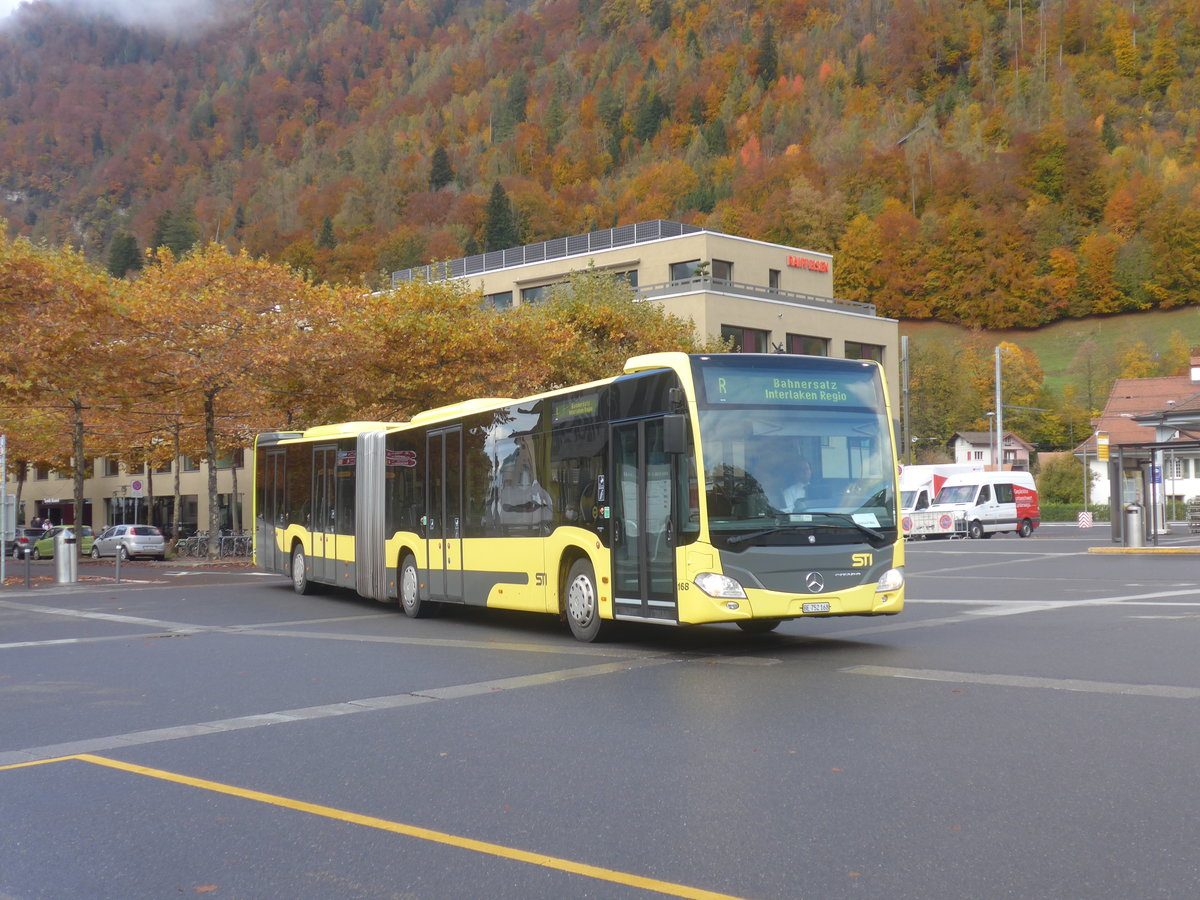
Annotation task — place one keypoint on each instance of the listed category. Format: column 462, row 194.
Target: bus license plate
column 815, row 607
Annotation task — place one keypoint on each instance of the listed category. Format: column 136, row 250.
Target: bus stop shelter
column 1135, row 475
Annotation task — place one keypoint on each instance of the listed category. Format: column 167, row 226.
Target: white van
column 919, row 484
column 984, row 503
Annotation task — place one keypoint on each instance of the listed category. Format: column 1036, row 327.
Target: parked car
column 24, row 540
column 43, row 547
column 130, row 541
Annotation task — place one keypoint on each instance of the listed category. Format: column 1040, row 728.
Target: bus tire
column 975, row 530
column 581, row 603
column 300, row 581
column 411, row 603
column 1026, row 528
column 758, row 626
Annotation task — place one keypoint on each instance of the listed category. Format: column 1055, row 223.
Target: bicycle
column 194, row 546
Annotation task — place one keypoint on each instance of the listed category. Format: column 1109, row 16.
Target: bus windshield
column 799, row 451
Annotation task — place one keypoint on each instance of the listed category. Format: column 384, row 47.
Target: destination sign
column 767, row 387
column 578, row 407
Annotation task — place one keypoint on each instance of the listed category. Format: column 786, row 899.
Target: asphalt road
column 1027, row 728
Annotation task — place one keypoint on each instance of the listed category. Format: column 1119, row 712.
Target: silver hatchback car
column 130, row 541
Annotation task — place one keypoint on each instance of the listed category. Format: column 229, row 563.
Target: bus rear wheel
column 300, row 582
column 1026, row 528
column 582, row 603
column 410, row 590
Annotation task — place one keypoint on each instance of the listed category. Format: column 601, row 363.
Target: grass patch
column 1056, row 345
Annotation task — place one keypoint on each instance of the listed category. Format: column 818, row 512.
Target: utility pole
column 4, row 508
column 999, row 416
column 904, row 397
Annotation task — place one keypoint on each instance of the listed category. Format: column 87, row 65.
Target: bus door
column 643, row 524
column 270, row 517
column 323, row 557
column 443, row 524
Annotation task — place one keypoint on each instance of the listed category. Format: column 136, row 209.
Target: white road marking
column 1170, row 691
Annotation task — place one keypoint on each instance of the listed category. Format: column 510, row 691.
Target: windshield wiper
column 872, row 533
column 750, row 536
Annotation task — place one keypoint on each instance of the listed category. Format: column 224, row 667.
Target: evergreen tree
column 326, row 239
column 649, row 115
column 176, row 231
column 768, row 55
column 441, row 173
column 500, row 229
column 124, row 255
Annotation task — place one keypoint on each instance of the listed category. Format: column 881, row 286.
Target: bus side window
column 985, row 495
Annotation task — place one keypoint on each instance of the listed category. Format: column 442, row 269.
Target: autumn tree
column 56, row 368
column 216, row 336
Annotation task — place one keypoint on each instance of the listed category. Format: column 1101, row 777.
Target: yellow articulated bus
column 743, row 488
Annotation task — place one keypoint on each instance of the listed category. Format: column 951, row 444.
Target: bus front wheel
column 582, row 604
column 975, row 530
column 410, row 590
column 300, row 582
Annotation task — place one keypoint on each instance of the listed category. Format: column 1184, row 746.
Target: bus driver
column 795, row 497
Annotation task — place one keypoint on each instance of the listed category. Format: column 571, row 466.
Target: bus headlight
column 892, row 580
column 719, row 586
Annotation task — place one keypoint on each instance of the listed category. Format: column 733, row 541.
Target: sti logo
column 862, row 560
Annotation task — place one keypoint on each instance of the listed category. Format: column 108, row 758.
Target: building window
column 165, row 467
column 109, row 466
column 977, row 455
column 807, row 345
column 41, row 473
column 773, row 279
column 230, row 460
column 855, row 350
column 535, row 294
column 722, row 270
column 502, row 300
column 745, row 340
column 631, row 277
column 682, row 271
column 189, row 464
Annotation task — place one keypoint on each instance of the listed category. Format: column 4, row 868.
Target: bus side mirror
column 675, row 434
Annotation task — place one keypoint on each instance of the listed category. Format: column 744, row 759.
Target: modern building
column 768, row 298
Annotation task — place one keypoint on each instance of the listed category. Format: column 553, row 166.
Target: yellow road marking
column 425, row 834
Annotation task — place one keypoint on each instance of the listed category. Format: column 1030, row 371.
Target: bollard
column 27, row 555
column 1134, row 531
column 117, row 576
column 66, row 557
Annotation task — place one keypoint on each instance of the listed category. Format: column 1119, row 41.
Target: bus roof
column 344, row 429
column 466, row 407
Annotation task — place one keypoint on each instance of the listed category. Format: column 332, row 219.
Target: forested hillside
column 999, row 162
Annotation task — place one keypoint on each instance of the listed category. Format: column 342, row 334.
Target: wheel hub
column 581, row 601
